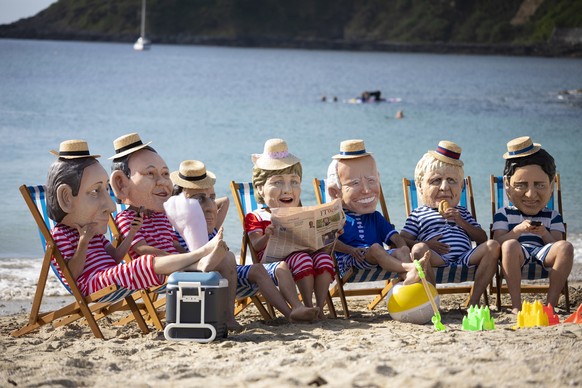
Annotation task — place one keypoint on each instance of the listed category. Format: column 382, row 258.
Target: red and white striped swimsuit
column 156, row 231
column 100, row 268
column 301, row 264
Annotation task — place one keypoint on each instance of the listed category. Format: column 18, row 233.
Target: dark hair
column 541, row 158
column 177, row 190
column 64, row 171
column 122, row 164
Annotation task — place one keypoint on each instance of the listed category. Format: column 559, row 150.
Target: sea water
column 219, row 105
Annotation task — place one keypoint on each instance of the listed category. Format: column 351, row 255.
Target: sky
column 13, row 10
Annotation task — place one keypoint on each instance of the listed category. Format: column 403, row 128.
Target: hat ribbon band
column 448, row 153
column 74, row 153
column 347, row 153
column 521, row 151
column 278, row 155
column 192, row 178
column 127, row 147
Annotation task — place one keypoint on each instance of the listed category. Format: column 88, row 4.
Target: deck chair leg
column 264, row 313
column 137, row 314
column 381, row 296
column 330, row 305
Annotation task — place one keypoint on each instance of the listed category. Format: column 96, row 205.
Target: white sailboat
column 142, row 42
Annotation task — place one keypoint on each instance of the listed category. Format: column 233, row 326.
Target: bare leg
column 299, row 312
column 227, row 268
column 419, row 251
column 511, row 261
column 305, row 286
column 376, row 254
column 258, row 275
column 322, row 282
column 560, row 258
column 485, row 257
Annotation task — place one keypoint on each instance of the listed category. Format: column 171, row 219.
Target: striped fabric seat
column 532, row 271
column 353, row 275
column 92, row 307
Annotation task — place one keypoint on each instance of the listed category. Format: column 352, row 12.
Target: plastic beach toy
column 531, row 315
column 576, row 317
column 478, row 318
column 410, row 303
column 553, row 318
column 436, row 319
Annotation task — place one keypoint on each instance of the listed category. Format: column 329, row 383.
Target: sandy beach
column 369, row 349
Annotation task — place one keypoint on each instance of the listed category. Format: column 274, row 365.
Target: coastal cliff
column 519, row 27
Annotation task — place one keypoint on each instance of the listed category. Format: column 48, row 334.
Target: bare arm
column 259, row 239
column 119, row 252
column 526, row 227
column 222, row 204
column 76, row 264
column 476, row 234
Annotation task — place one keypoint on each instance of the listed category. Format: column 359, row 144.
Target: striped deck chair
column 454, row 273
column 93, row 307
column 151, row 302
column 244, row 199
column 532, row 271
column 359, row 276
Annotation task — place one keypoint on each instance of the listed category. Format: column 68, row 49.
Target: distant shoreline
column 537, row 50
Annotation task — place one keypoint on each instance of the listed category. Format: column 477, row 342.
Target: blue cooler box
column 196, row 304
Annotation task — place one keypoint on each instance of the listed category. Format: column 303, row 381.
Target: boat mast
column 143, row 16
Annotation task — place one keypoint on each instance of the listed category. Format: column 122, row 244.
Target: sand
column 369, row 349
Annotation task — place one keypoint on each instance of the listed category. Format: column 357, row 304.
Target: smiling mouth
column 286, row 200
column 366, row 200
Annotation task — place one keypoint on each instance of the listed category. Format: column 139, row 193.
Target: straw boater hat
column 351, row 149
column 448, row 152
column 73, row 149
column 275, row 156
column 193, row 175
column 520, row 147
column 127, row 144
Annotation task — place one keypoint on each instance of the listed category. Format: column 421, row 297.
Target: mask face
column 442, row 184
column 360, row 184
column 206, row 198
column 93, row 204
column 529, row 189
column 281, row 191
column 149, row 185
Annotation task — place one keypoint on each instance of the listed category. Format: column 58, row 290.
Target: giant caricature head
column 140, row 177
column 529, row 175
column 277, row 175
column 353, row 177
column 196, row 182
column 439, row 175
column 78, row 188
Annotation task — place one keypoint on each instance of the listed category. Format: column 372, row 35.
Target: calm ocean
column 219, row 105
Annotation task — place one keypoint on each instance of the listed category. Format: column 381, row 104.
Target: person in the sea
column 78, row 200
column 195, row 181
column 527, row 230
column 140, row 178
column 374, row 96
column 277, row 183
column 353, row 177
column 448, row 234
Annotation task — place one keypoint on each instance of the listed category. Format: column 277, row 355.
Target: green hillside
column 257, row 22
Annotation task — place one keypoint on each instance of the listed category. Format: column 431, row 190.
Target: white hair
column 332, row 175
column 428, row 164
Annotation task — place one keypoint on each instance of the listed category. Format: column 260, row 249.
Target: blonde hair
column 429, row 163
column 260, row 177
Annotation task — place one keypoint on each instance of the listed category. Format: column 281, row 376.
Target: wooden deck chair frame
column 361, row 276
column 453, row 273
column 245, row 202
column 93, row 307
column 532, row 271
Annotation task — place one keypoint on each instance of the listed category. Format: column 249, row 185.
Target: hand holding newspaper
column 303, row 229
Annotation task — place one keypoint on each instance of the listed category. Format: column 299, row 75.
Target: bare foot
column 320, row 315
column 214, row 258
column 412, row 275
column 515, row 310
column 303, row 314
column 211, row 244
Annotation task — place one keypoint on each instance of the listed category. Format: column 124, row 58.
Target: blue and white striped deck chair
column 151, row 302
column 360, row 276
column 244, row 199
column 532, row 271
column 92, row 307
column 453, row 273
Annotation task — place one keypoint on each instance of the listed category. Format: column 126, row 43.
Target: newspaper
column 303, row 229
